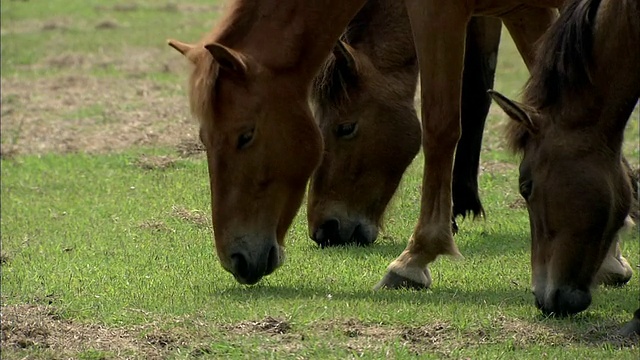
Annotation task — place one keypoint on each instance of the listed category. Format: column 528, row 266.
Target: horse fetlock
column 429, row 242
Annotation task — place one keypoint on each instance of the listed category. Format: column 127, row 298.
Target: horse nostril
column 328, row 233
column 240, row 265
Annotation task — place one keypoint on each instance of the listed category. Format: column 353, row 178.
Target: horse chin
column 339, row 232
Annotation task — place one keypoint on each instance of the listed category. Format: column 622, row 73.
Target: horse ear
column 515, row 110
column 183, row 48
column 227, row 58
column 345, row 54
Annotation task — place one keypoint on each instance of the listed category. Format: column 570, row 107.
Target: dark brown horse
column 569, row 130
column 364, row 105
column 250, row 87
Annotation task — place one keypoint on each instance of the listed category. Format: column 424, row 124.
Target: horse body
column 250, row 86
column 569, row 131
column 364, row 105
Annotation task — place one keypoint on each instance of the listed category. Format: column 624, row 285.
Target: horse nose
column 249, row 268
column 361, row 237
column 564, row 301
column 328, row 233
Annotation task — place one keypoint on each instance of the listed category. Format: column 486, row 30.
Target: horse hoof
column 618, row 276
column 632, row 328
column 392, row 280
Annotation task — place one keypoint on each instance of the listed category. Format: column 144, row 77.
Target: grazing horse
column 250, row 86
column 364, row 104
column 363, row 99
column 569, row 130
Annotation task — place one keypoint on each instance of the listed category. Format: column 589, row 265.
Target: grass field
column 106, row 231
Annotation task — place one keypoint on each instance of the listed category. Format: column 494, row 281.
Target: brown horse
column 364, row 105
column 569, row 131
column 250, row 87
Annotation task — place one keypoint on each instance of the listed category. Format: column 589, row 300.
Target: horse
column 569, row 131
column 363, row 99
column 250, row 86
column 364, row 104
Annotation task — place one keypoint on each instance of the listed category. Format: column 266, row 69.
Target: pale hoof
column 616, row 276
column 392, row 280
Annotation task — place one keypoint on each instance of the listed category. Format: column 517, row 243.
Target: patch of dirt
column 40, row 327
column 497, row 167
column 155, row 162
column 267, row 325
column 518, row 203
column 190, row 147
column 196, row 217
column 80, row 113
column 155, row 226
column 107, row 25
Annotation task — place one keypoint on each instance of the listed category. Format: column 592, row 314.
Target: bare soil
column 80, row 113
column 41, row 328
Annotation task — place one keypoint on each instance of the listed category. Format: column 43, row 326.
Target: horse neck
column 616, row 63
column 383, row 32
column 292, row 36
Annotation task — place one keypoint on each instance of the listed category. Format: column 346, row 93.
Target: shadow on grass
column 471, row 243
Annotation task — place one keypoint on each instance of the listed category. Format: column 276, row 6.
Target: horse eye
column 347, row 130
column 245, row 139
column 525, row 189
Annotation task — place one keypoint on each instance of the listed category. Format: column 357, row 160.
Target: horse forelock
column 564, row 56
column 517, row 135
column 232, row 28
column 202, row 87
column 329, row 88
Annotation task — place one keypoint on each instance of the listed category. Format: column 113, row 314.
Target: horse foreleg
column 526, row 25
column 480, row 57
column 439, row 34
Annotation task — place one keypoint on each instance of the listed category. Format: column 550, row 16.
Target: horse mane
column 562, row 66
column 330, row 85
column 234, row 26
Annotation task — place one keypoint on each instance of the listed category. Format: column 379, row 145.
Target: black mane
column 564, row 56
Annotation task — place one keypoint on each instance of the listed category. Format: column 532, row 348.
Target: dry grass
column 197, row 217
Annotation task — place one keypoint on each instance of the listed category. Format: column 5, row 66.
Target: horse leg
column 480, row 57
column 526, row 25
column 439, row 30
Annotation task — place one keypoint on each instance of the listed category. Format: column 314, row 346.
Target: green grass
column 108, row 245
column 74, row 231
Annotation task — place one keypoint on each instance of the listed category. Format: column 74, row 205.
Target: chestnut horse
column 364, row 105
column 250, row 87
column 569, row 130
